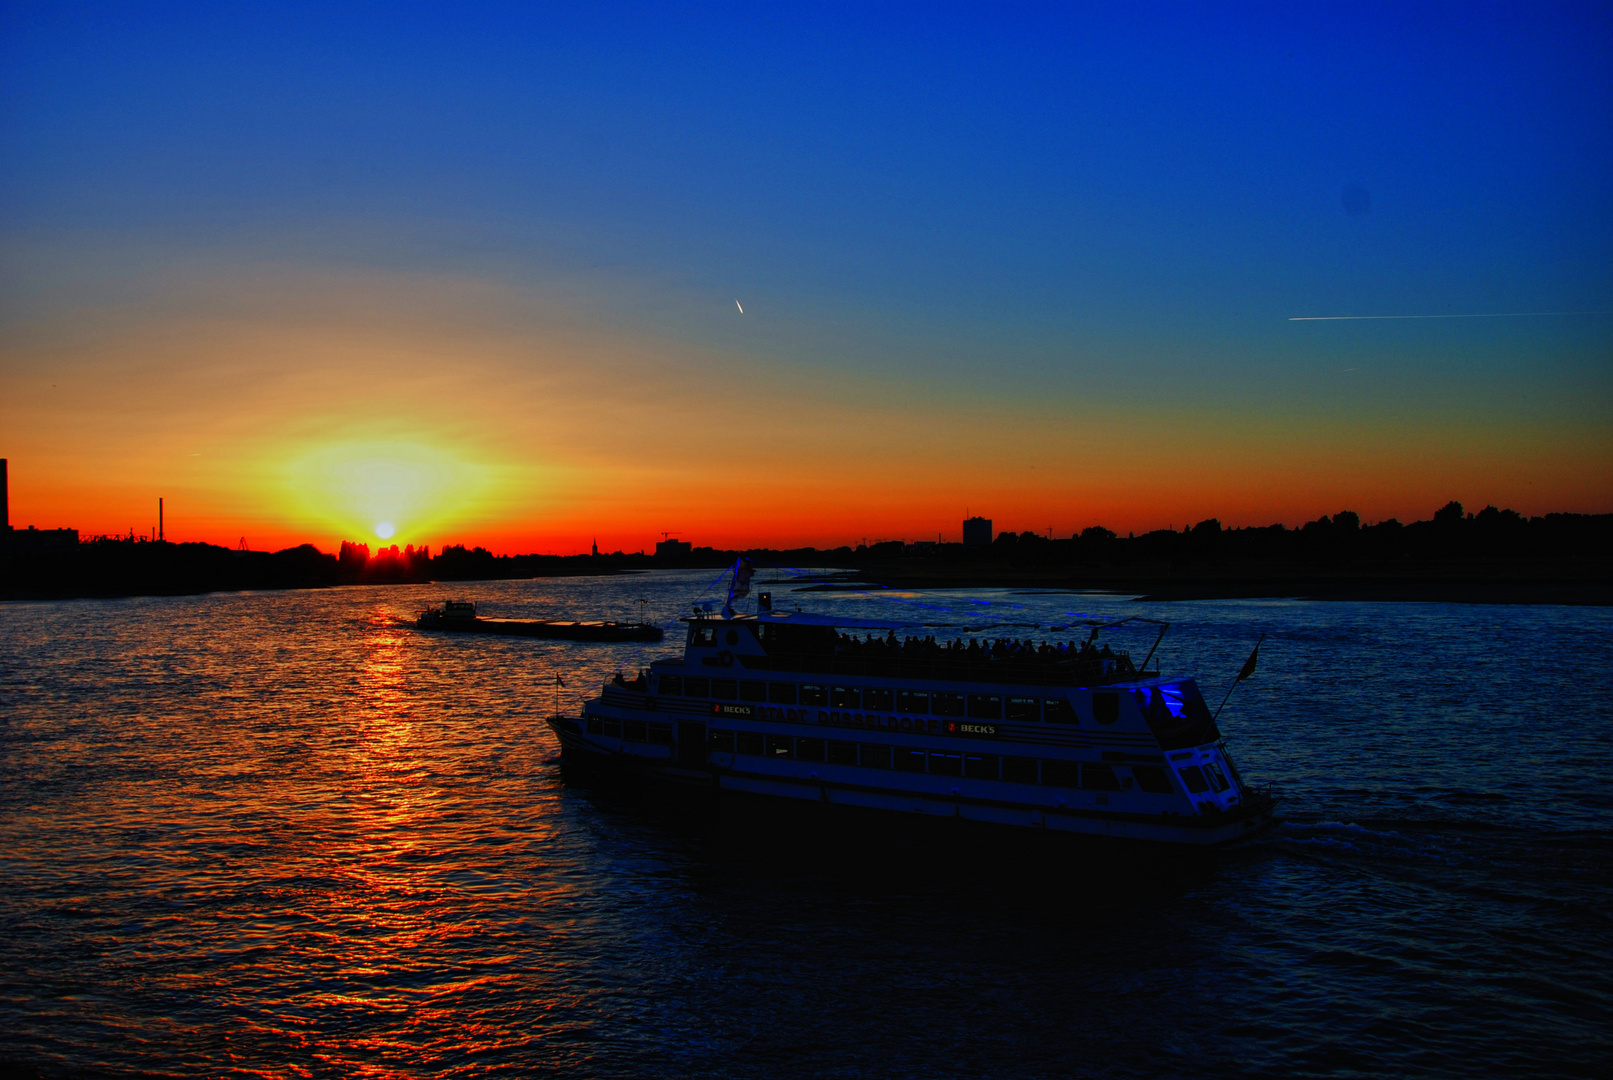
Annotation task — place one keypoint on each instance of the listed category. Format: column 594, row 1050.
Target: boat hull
column 914, row 795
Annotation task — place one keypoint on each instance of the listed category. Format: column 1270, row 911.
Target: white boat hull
column 1118, row 815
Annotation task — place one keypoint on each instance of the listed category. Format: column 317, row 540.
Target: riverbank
column 1461, row 585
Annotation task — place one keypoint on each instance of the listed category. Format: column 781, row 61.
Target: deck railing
column 1117, row 668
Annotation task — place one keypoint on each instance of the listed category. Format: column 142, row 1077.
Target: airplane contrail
column 740, row 306
column 1482, row 315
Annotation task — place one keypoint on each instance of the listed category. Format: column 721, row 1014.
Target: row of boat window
column 1090, row 776
column 632, row 730
column 874, row 698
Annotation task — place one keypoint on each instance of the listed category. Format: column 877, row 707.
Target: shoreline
column 1431, row 589
column 1570, row 593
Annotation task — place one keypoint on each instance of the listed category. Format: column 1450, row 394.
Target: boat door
column 691, row 743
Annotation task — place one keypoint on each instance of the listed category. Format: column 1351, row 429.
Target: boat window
column 613, row 728
column 1152, row 779
column 814, row 695
column 985, row 707
column 1058, row 711
column 752, row 691
column 703, row 636
column 842, row 753
column 1019, row 770
column 947, row 704
column 661, row 733
column 1106, row 708
column 913, row 701
column 946, row 764
column 909, row 760
column 780, row 746
column 732, row 637
column 843, row 697
column 1096, row 777
column 878, row 697
column 749, row 742
column 809, row 749
column 722, row 742
column 595, row 726
column 781, row 693
column 634, row 731
column 1217, row 781
column 980, row 766
column 724, row 689
column 876, row 757
column 693, row 687
column 1177, row 715
column 1024, row 708
column 670, row 685
column 1061, row 773
column 1194, row 779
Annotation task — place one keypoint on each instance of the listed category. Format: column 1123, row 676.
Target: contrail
column 740, row 306
column 1483, row 315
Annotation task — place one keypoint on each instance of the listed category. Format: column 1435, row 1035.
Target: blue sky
column 1033, row 206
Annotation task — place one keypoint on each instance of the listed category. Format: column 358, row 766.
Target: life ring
column 725, row 658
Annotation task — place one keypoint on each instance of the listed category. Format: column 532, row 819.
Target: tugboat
column 1073, row 739
column 459, row 616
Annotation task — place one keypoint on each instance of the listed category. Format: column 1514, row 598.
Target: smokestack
column 5, row 498
column 159, row 519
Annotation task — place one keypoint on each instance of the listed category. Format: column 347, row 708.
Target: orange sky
column 289, row 404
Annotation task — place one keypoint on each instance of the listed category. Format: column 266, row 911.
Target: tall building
column 29, row 537
column 977, row 532
column 672, row 548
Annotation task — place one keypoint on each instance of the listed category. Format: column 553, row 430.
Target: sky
column 530, row 277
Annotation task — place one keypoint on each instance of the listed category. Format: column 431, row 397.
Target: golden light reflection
column 384, row 488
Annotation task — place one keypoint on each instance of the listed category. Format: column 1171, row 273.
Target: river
column 286, row 834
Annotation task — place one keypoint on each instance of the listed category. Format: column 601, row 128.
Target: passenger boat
column 1075, row 739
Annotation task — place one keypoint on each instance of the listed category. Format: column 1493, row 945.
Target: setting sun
column 383, row 488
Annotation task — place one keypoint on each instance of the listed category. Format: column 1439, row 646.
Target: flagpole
column 1223, row 704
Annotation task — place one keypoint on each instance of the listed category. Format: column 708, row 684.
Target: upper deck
column 801, row 643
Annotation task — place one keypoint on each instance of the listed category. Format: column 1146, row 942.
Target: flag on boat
column 558, row 681
column 742, row 576
column 1249, row 664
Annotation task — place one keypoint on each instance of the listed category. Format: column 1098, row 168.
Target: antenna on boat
column 1163, row 626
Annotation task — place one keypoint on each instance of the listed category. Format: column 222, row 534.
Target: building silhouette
column 977, row 532
column 29, row 537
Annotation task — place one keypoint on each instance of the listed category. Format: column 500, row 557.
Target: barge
column 459, row 617
column 1070, row 738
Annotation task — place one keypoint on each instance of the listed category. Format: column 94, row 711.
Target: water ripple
column 286, row 835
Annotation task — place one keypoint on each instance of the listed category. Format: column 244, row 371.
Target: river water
column 281, row 834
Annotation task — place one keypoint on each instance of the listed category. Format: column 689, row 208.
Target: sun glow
column 387, row 489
